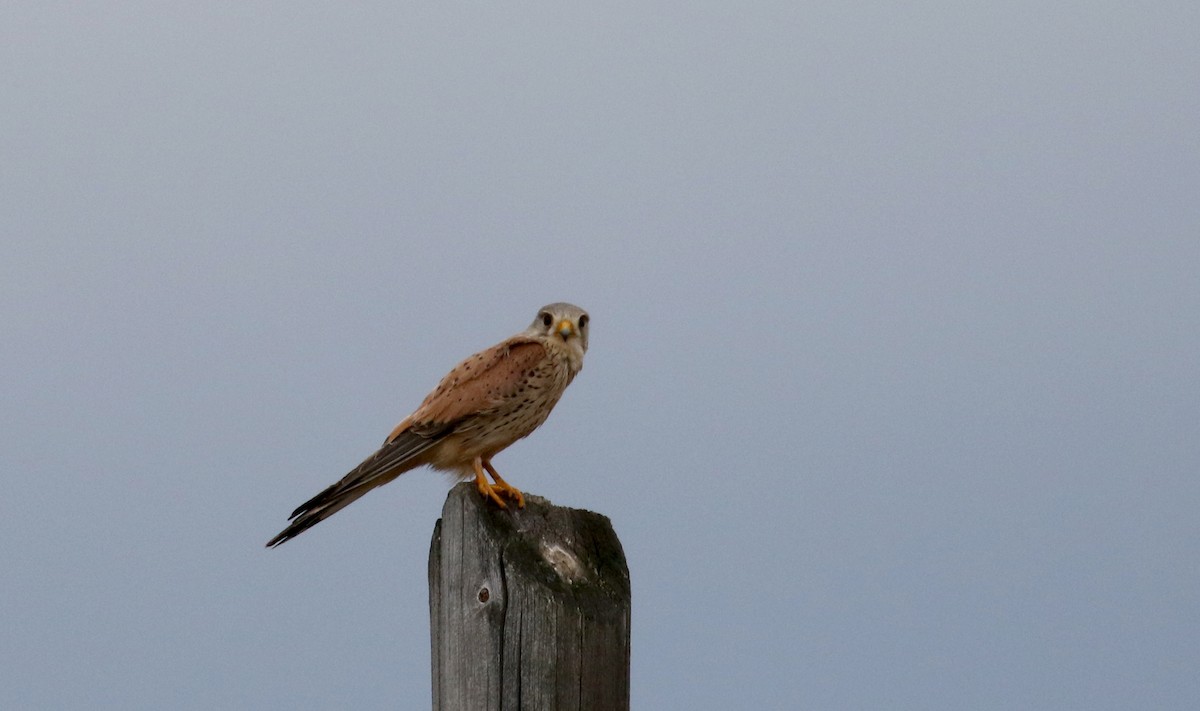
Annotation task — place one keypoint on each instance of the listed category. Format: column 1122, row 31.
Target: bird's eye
column 547, row 319
column 583, row 321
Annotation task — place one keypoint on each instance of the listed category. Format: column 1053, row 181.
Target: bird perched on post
column 483, row 405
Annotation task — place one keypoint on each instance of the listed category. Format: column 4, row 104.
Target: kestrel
column 483, row 405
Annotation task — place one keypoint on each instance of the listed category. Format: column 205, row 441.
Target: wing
column 477, row 384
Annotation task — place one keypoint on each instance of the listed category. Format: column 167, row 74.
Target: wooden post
column 528, row 608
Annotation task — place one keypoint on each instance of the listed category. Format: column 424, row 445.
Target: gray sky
column 892, row 394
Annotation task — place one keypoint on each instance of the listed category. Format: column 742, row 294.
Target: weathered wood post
column 528, row 608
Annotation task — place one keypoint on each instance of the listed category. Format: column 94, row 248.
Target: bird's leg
column 482, row 484
column 508, row 489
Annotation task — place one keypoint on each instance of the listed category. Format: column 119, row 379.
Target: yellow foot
column 509, row 490
column 484, row 487
column 489, row 491
column 493, row 491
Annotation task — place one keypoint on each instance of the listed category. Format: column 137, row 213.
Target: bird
column 484, row 404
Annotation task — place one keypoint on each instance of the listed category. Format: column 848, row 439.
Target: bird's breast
column 518, row 412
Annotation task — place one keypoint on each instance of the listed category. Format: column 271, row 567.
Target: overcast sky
column 892, row 394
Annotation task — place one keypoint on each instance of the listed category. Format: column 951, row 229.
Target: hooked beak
column 565, row 329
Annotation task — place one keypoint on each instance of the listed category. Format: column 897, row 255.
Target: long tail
column 390, row 461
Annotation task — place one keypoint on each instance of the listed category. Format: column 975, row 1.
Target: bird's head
column 564, row 324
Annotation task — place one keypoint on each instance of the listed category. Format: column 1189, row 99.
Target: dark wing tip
column 282, row 537
column 294, row 529
column 394, row 457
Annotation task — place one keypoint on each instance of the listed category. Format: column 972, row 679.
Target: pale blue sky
column 892, row 394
